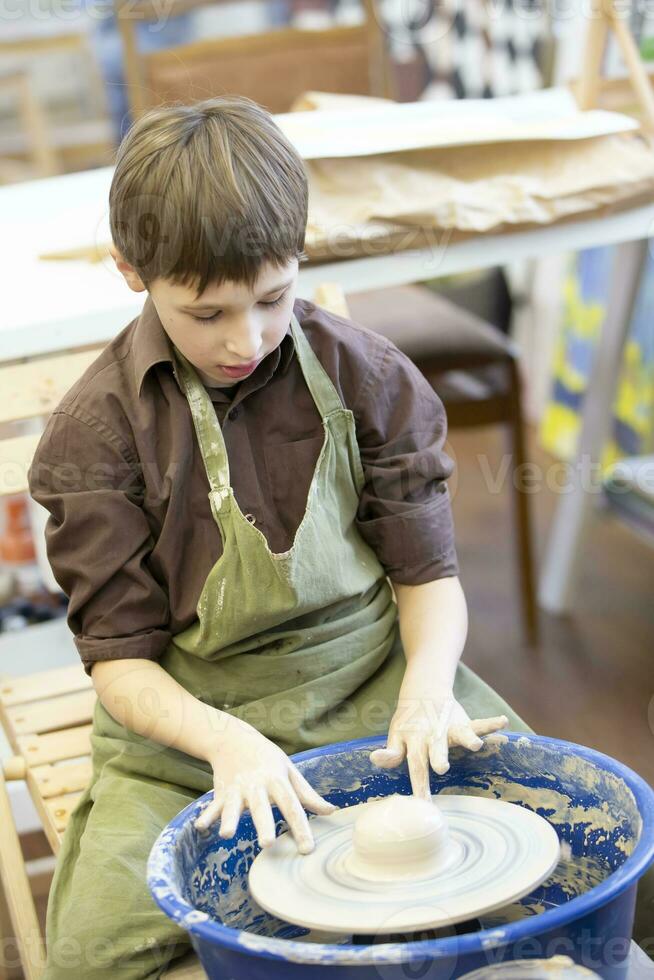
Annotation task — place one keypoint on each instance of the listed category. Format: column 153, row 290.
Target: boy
column 229, row 485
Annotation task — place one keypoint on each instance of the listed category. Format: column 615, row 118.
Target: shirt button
column 232, row 414
column 251, row 518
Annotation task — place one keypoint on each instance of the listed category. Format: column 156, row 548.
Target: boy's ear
column 129, row 273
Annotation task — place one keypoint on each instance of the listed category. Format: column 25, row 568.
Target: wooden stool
column 47, row 720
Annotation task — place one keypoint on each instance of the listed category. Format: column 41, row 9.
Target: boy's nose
column 245, row 343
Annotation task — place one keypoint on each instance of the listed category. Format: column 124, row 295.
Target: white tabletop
column 52, row 305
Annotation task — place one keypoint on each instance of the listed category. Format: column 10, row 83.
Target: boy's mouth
column 240, row 371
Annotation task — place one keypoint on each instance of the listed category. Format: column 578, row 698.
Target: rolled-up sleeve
column 98, row 540
column 404, row 510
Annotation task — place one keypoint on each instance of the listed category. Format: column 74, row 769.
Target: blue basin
column 602, row 811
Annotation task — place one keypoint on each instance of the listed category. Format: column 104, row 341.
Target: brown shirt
column 130, row 536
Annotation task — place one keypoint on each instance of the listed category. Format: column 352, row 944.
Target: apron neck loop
column 205, row 420
column 207, row 427
column 318, row 381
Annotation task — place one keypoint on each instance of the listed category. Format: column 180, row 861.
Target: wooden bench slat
column 54, row 747
column 46, row 816
column 16, row 456
column 60, row 808
column 63, row 778
column 37, row 387
column 47, row 684
column 47, row 716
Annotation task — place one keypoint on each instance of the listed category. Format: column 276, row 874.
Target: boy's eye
column 214, row 316
column 206, row 319
column 275, row 302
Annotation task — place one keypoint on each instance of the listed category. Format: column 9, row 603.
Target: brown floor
column 591, row 680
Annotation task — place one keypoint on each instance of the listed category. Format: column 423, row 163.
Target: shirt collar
column 151, row 345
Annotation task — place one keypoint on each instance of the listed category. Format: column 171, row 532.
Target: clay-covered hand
column 252, row 772
column 422, row 729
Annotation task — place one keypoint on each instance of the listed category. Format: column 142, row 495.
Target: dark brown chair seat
column 474, row 369
column 430, row 328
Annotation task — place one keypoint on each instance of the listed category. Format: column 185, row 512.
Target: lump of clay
column 398, row 837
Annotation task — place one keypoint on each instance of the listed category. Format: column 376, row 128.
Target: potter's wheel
column 401, row 863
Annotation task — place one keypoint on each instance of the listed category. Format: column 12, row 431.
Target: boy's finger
column 262, row 815
column 391, row 756
column 418, row 760
column 210, row 813
column 484, row 726
column 294, row 815
column 231, row 813
column 464, row 735
column 438, row 756
column 310, row 798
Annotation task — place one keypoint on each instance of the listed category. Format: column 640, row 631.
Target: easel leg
column 573, row 512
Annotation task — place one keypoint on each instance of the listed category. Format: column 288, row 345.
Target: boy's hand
column 252, row 772
column 422, row 729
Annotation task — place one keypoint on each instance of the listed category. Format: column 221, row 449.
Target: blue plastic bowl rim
column 290, row 950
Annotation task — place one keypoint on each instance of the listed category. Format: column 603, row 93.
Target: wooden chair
column 41, row 157
column 43, row 144
column 272, row 68
column 47, row 716
column 474, row 368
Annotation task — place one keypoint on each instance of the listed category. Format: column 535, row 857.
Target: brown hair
column 207, row 192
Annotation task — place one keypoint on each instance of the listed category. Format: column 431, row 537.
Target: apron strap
column 320, row 385
column 207, row 427
column 205, row 420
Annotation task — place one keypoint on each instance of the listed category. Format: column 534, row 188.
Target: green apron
column 304, row 645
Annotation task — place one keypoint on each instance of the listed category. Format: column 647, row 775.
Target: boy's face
column 230, row 328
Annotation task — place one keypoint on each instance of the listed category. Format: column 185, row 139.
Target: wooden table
column 52, row 306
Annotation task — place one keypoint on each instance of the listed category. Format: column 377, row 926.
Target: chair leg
column 521, row 512
column 9, row 969
column 15, row 885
